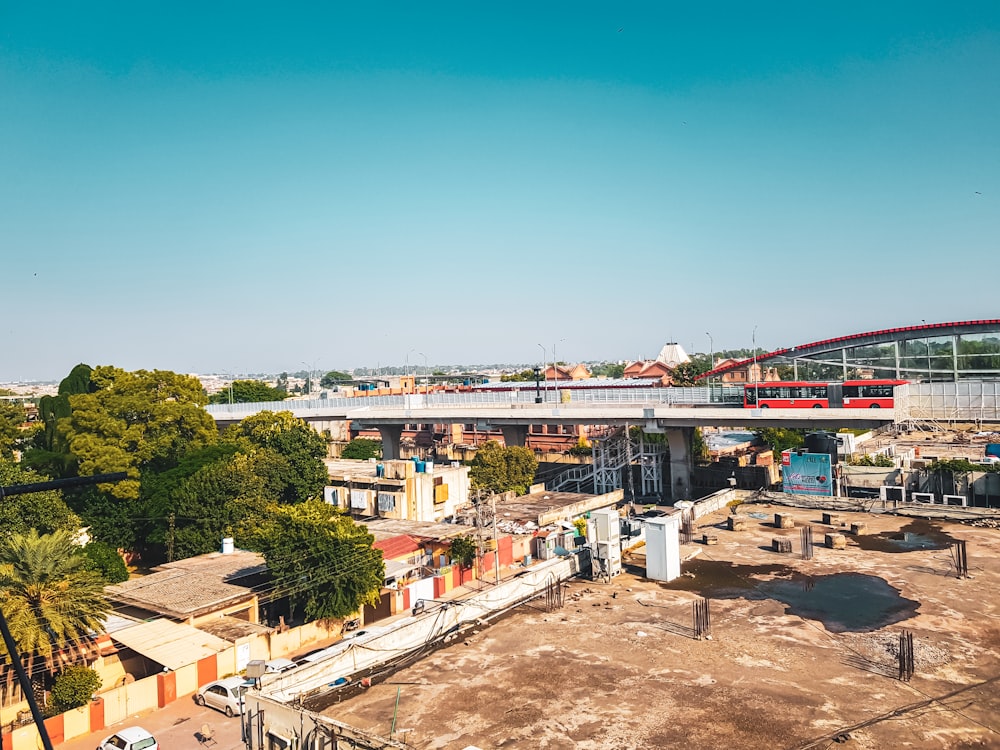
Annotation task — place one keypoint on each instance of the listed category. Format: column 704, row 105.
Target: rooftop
column 545, row 507
column 618, row 666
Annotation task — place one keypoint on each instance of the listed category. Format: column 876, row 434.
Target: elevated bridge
column 673, row 411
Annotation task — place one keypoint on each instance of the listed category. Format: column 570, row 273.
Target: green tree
column 48, row 597
column 502, row 469
column 362, row 449
column 210, row 505
column 463, row 550
column 44, row 511
column 104, row 560
column 299, row 451
column 686, row 374
column 781, row 438
column 878, row 460
column 318, row 558
column 74, row 687
column 134, row 422
column 248, row 392
column 608, row 370
column 334, row 378
column 109, row 519
column 699, row 448
column 519, row 377
column 50, row 452
column 12, row 417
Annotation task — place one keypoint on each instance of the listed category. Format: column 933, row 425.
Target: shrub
column 104, row 559
column 74, row 687
column 363, row 449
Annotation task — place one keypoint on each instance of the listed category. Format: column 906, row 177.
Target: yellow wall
column 76, row 722
column 121, row 702
column 187, row 679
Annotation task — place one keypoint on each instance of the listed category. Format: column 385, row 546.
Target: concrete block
column 859, row 528
column 831, row 519
column 737, row 523
column 710, row 539
column 780, row 544
column 836, row 541
column 783, row 521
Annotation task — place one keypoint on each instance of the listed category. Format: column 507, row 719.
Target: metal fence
column 703, row 396
column 963, row 400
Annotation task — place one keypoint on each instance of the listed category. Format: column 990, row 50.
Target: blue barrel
column 420, row 466
column 380, row 470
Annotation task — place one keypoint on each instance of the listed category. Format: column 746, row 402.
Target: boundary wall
column 156, row 691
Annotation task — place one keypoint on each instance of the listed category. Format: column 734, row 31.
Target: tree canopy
column 48, row 597
column 607, row 370
column 135, row 421
column 334, row 378
column 45, row 511
column 362, row 449
column 686, row 373
column 248, row 392
column 502, row 469
column 318, row 558
column 297, row 448
column 12, row 416
column 781, row 438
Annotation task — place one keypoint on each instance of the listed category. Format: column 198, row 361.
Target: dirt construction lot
column 618, row 667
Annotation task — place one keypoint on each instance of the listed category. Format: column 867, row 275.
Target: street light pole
column 309, row 377
column 555, row 372
column 426, row 382
column 756, row 384
column 711, row 351
column 544, row 368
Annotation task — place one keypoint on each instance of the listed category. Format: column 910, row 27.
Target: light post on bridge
column 545, row 375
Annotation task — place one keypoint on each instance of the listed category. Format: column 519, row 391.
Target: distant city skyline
column 203, row 188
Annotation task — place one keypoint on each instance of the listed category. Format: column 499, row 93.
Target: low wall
column 353, row 656
column 148, row 694
column 715, row 501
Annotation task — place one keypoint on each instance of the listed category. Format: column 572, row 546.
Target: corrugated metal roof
column 397, row 546
column 177, row 593
column 169, row 643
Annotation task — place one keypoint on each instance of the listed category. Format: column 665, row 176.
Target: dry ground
column 616, row 667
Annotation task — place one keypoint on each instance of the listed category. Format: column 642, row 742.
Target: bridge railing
column 550, row 396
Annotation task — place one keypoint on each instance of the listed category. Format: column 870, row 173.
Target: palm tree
column 50, row 601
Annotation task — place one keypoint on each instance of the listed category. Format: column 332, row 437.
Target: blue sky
column 247, row 187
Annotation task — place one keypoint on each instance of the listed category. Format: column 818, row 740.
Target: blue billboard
column 806, row 473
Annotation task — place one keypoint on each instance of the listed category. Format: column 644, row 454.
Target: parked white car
column 130, row 738
column 224, row 695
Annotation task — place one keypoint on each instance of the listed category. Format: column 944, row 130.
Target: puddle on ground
column 919, row 534
column 717, row 576
column 843, row 602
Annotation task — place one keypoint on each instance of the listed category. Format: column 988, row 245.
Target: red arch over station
column 862, row 339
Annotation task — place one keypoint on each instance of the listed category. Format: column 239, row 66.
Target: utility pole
column 13, row 652
column 170, row 537
column 496, row 546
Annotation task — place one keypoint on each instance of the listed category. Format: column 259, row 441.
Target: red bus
column 851, row 394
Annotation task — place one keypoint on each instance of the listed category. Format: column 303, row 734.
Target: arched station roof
column 888, row 336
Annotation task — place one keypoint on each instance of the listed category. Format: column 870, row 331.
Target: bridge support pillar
column 680, row 440
column 515, row 434
column 391, row 434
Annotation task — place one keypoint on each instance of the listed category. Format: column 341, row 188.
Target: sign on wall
column 806, row 473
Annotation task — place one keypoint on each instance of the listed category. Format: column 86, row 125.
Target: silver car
column 224, row 695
